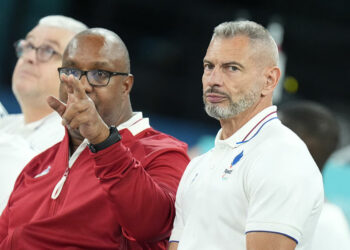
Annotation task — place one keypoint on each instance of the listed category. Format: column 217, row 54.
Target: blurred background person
column 319, row 129
column 35, row 77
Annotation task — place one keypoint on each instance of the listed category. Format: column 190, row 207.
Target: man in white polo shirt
column 35, row 77
column 259, row 187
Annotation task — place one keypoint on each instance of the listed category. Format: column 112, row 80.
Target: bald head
column 109, row 42
column 264, row 47
column 99, row 60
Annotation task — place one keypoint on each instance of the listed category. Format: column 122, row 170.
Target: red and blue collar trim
column 271, row 116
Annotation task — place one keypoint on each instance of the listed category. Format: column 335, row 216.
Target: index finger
column 75, row 85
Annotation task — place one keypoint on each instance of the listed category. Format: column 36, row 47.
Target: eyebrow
column 50, row 41
column 233, row 63
column 207, row 61
column 226, row 63
column 68, row 63
column 96, row 65
column 101, row 64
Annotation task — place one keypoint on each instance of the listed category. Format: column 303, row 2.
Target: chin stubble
column 233, row 108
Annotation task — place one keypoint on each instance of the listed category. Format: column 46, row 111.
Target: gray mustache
column 215, row 91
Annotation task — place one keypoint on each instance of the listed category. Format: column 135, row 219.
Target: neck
column 232, row 125
column 125, row 114
column 33, row 113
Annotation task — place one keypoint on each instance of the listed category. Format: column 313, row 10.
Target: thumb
column 56, row 105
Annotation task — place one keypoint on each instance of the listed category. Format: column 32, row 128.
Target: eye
column 232, row 68
column 76, row 73
column 71, row 71
column 208, row 66
column 100, row 74
column 45, row 51
column 25, row 46
column 28, row 45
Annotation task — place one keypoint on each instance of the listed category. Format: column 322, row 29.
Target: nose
column 213, row 77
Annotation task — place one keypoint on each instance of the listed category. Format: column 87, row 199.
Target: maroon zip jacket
column 122, row 197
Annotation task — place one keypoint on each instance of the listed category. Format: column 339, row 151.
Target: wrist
column 113, row 138
column 102, row 136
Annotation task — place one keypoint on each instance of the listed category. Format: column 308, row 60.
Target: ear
column 127, row 84
column 272, row 75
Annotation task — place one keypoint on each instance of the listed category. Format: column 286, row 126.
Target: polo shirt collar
column 248, row 130
column 135, row 124
column 136, row 116
column 37, row 124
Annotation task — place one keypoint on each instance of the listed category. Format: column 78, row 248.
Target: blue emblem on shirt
column 235, row 160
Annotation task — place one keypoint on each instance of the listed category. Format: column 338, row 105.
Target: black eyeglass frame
column 85, row 72
column 54, row 52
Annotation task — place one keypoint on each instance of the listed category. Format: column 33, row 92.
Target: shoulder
column 154, row 140
column 280, row 151
column 279, row 142
column 277, row 134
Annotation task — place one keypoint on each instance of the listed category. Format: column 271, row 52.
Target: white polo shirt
column 262, row 178
column 20, row 142
column 40, row 135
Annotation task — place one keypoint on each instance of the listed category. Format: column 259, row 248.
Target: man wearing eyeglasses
column 111, row 182
column 37, row 128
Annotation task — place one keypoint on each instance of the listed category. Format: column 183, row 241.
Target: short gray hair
column 63, row 22
column 254, row 31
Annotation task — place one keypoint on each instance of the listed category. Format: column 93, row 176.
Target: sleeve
column 285, row 193
column 179, row 222
column 143, row 196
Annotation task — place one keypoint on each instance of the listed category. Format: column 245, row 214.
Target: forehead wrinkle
column 50, row 36
column 51, row 42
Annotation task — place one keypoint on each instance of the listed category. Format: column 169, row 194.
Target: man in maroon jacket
column 111, row 182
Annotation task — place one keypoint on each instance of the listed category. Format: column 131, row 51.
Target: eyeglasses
column 96, row 77
column 43, row 53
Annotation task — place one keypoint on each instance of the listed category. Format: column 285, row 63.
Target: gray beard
column 233, row 108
